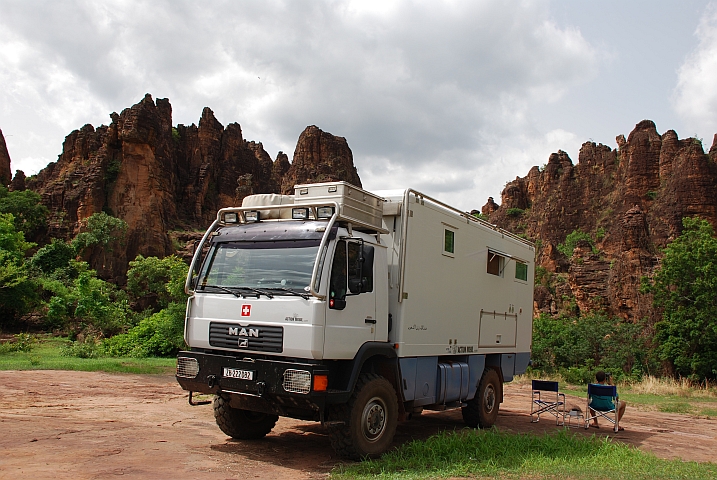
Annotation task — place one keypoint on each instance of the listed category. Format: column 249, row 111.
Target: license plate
column 240, row 374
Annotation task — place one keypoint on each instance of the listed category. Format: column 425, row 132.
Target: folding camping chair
column 611, row 414
column 546, row 403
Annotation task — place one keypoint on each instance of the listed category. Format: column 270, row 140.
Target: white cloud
column 439, row 93
column 695, row 98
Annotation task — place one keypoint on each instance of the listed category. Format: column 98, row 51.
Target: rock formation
column 5, row 172
column 631, row 202
column 320, row 157
column 159, row 178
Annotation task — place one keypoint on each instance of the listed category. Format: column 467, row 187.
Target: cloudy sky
column 453, row 98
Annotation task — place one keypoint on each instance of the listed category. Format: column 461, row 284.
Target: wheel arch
column 372, row 357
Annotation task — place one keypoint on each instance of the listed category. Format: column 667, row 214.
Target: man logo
column 244, row 332
column 243, row 343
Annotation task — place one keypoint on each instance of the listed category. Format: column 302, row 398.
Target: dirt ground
column 60, row 424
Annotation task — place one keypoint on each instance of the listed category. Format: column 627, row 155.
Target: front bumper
column 271, row 390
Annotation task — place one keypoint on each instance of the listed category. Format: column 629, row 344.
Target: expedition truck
column 356, row 310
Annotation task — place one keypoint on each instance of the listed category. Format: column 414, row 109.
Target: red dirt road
column 60, row 424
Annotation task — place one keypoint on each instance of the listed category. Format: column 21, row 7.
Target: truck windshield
column 267, row 265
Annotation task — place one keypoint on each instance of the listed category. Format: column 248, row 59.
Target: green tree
column 17, row 290
column 161, row 279
column 685, row 288
column 101, row 230
column 29, row 214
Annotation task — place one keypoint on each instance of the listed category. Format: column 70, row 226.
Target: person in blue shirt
column 603, row 403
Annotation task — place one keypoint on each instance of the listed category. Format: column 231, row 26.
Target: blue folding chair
column 605, row 393
column 546, row 403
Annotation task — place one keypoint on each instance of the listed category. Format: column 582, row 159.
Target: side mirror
column 336, row 304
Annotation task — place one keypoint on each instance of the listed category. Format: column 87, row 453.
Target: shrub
column 53, row 256
column 86, row 302
column 577, row 346
column 88, row 347
column 160, row 335
column 163, row 278
column 515, row 212
column 24, row 342
column 567, row 247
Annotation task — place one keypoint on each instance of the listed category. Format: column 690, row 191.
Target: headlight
column 187, row 367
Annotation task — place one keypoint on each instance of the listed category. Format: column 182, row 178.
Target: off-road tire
column 241, row 424
column 370, row 418
column 482, row 410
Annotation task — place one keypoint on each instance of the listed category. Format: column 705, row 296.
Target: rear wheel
column 241, row 424
column 482, row 411
column 370, row 418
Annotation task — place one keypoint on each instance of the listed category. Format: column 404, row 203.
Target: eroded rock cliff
column 5, row 172
column 159, row 178
column 630, row 201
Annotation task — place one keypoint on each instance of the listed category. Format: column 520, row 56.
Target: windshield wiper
column 223, row 289
column 292, row 292
column 257, row 291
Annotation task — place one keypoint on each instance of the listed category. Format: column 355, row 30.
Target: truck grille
column 257, row 338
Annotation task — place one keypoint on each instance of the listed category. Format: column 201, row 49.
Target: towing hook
column 260, row 388
column 211, row 380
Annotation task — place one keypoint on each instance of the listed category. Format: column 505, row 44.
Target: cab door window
column 351, row 271
column 339, row 278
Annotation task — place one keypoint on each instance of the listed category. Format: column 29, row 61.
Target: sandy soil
column 59, row 424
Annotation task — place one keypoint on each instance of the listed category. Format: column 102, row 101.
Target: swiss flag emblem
column 246, row 310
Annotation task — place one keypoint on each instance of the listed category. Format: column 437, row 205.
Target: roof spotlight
column 325, row 212
column 251, row 216
column 300, row 213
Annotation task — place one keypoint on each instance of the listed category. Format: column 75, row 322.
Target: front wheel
column 241, row 424
column 370, row 418
column 482, row 411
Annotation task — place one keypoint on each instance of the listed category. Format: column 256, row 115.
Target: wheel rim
column 489, row 398
column 373, row 419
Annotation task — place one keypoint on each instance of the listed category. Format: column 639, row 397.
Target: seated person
column 603, row 403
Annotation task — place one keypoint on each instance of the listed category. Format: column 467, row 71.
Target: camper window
column 495, row 263
column 521, row 271
column 449, row 242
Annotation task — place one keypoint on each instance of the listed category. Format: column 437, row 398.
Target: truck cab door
column 351, row 306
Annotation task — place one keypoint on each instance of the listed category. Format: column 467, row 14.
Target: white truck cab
column 354, row 309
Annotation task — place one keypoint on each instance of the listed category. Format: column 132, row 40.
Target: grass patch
column 45, row 355
column 494, row 454
column 675, row 407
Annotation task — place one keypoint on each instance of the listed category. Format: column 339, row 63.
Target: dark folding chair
column 605, row 391
column 544, row 402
